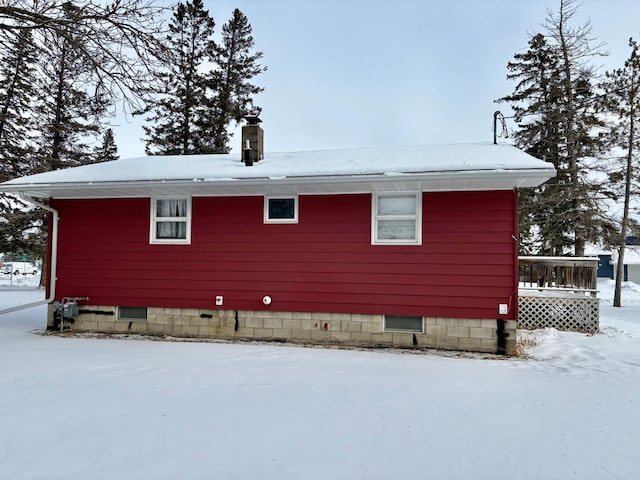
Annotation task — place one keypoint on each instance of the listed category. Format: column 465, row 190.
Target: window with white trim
column 396, row 218
column 132, row 313
column 281, row 209
column 403, row 323
column 170, row 220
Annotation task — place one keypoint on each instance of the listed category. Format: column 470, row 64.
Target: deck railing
column 571, row 274
column 559, row 292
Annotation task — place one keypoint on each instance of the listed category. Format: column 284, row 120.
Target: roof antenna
column 505, row 133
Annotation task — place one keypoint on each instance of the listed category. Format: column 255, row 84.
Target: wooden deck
column 558, row 292
column 573, row 274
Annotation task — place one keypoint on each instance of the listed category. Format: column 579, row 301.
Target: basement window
column 400, row 323
column 396, row 218
column 132, row 313
column 170, row 220
column 281, row 209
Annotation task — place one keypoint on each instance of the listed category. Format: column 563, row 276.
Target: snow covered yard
column 86, row 408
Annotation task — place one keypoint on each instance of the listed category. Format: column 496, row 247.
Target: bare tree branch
column 121, row 39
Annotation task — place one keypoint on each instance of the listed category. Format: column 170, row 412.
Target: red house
column 403, row 246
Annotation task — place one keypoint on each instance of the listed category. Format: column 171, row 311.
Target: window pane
column 396, row 229
column 133, row 313
column 397, row 322
column 397, row 205
column 171, row 230
column 281, row 208
column 171, row 208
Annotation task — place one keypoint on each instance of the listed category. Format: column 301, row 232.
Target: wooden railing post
column 559, row 273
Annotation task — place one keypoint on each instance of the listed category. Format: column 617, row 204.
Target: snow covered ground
column 88, row 408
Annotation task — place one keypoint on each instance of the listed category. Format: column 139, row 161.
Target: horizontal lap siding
column 325, row 263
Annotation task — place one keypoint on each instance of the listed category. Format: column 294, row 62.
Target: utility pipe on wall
column 54, row 256
column 53, row 264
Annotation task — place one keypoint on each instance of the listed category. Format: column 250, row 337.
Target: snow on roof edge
column 359, row 162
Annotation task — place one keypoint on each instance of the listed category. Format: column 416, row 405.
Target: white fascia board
column 317, row 185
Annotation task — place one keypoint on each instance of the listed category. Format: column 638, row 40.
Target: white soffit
column 461, row 181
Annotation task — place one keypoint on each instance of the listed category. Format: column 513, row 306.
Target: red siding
column 326, row 263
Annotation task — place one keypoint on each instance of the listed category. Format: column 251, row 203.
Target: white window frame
column 417, row 217
column 402, row 330
column 281, row 220
column 155, row 220
column 133, row 319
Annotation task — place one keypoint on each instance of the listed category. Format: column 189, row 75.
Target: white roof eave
column 317, row 185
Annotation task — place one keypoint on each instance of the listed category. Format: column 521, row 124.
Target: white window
column 403, row 323
column 281, row 209
column 170, row 220
column 397, row 218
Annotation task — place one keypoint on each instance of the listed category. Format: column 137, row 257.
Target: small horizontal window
column 132, row 313
column 281, row 209
column 399, row 323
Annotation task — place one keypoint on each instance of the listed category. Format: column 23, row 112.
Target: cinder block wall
column 299, row 327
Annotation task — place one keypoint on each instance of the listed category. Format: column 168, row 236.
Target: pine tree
column 17, row 78
column 580, row 121
column 177, row 112
column 88, row 54
column 231, row 82
column 194, row 111
column 108, row 150
column 70, row 117
column 21, row 231
column 622, row 103
column 536, row 74
column 557, row 121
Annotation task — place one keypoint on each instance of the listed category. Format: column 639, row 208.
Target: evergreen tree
column 88, row 53
column 539, row 134
column 195, row 109
column 580, row 120
column 108, row 150
column 622, row 103
column 231, row 82
column 557, row 121
column 17, row 78
column 21, row 231
column 178, row 110
column 70, row 117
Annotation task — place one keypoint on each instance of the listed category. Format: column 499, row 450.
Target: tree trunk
column 617, row 294
column 625, row 215
column 55, row 161
column 579, row 241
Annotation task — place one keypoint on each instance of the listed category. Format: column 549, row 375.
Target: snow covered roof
column 481, row 166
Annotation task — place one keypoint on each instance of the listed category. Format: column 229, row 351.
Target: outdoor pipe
column 54, row 256
column 53, row 263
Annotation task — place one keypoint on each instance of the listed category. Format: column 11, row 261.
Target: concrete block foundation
column 475, row 335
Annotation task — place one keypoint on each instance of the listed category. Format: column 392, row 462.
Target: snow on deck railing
column 558, row 273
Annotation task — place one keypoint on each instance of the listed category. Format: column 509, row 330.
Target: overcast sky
column 359, row 73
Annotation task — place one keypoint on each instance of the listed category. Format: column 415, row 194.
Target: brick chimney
column 252, row 140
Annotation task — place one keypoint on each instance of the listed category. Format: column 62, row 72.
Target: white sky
column 360, row 73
